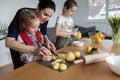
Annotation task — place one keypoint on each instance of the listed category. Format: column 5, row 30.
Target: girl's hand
column 74, row 34
column 42, row 51
column 79, row 35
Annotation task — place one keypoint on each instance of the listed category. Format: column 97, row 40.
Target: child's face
column 33, row 27
column 71, row 11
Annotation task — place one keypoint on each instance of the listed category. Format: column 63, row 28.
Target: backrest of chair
column 16, row 59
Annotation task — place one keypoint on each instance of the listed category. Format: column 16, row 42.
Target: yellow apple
column 70, row 56
column 77, row 54
column 89, row 48
column 62, row 66
column 56, row 66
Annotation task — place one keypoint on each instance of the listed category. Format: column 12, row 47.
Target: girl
column 64, row 23
column 44, row 11
column 29, row 34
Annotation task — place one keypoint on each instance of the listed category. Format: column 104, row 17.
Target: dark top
column 13, row 31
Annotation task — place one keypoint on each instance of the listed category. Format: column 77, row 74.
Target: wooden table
column 96, row 71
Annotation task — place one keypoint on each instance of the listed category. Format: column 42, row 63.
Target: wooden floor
column 5, row 69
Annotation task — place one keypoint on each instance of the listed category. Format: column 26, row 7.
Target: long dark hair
column 46, row 4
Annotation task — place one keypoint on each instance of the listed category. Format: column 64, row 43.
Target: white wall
column 79, row 18
column 5, row 56
column 8, row 9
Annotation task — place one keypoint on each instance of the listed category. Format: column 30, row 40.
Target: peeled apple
column 63, row 66
column 70, row 56
column 56, row 66
column 77, row 54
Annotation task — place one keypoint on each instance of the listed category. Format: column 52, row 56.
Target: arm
column 59, row 32
column 49, row 44
column 12, row 43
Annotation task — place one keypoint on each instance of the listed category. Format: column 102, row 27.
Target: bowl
column 96, row 37
column 78, row 43
column 114, row 63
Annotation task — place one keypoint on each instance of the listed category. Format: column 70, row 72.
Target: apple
column 70, row 56
column 77, row 54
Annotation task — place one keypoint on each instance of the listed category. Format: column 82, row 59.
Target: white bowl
column 114, row 63
column 78, row 43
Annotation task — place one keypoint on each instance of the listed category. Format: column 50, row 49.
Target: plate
column 78, row 43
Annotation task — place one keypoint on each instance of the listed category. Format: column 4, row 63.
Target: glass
column 91, row 34
column 116, row 37
column 96, row 37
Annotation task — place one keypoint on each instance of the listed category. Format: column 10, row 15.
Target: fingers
column 74, row 34
column 53, row 48
column 48, row 45
column 42, row 51
column 45, row 51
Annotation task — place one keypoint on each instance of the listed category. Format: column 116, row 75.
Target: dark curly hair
column 46, row 4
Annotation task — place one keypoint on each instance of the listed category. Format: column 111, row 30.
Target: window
column 102, row 9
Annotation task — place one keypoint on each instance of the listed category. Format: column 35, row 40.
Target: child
column 30, row 35
column 64, row 23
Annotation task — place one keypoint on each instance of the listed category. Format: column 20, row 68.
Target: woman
column 45, row 10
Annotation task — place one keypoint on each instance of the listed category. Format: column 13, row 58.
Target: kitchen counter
column 96, row 71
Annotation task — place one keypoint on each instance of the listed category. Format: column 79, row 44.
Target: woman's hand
column 42, row 51
column 49, row 44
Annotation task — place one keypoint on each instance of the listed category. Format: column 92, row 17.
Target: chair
column 16, row 59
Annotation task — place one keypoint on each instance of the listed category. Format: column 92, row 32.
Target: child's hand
column 79, row 35
column 42, row 51
column 47, row 58
column 74, row 34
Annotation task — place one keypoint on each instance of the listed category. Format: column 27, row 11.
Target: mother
column 44, row 10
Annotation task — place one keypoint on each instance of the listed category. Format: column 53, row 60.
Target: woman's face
column 45, row 14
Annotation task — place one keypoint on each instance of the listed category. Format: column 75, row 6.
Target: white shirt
column 66, row 24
